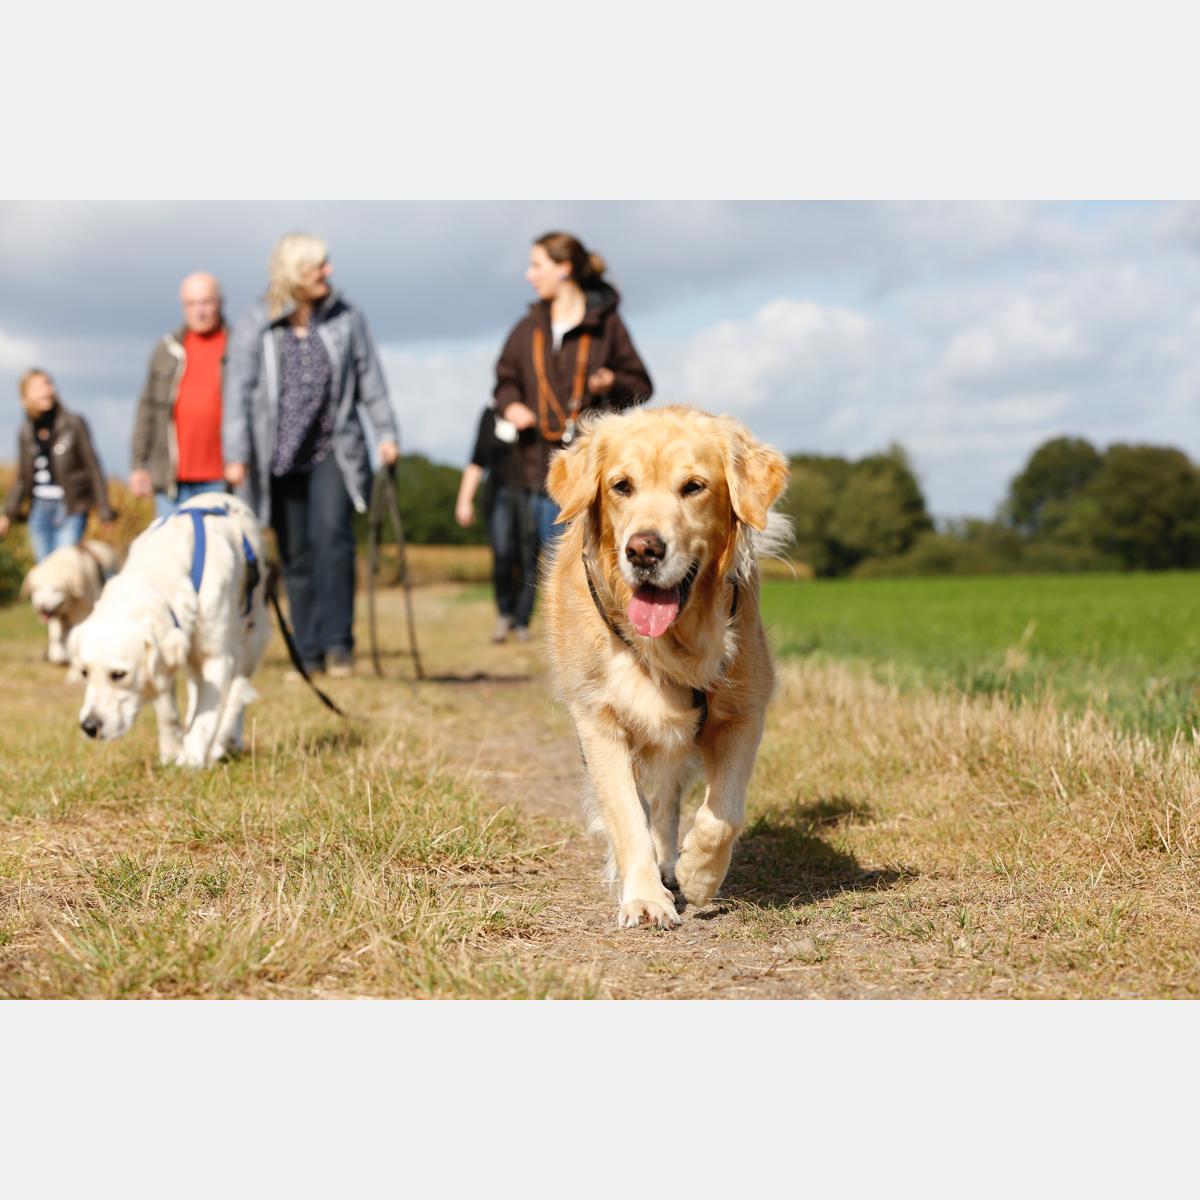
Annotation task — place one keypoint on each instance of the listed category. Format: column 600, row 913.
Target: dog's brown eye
column 692, row 487
column 116, row 675
column 623, row 487
column 83, row 672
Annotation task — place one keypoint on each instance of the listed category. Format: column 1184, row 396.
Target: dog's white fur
column 705, row 487
column 64, row 588
column 130, row 649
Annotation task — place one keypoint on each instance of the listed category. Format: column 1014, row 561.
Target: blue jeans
column 51, row 527
column 537, row 529
column 505, row 535
column 313, row 515
column 164, row 506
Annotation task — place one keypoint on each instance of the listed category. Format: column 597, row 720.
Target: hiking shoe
column 291, row 675
column 522, row 633
column 503, row 625
column 341, row 664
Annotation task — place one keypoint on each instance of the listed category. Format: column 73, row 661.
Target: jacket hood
column 599, row 300
column 323, row 310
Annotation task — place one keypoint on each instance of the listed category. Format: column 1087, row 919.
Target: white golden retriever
column 64, row 588
column 152, row 620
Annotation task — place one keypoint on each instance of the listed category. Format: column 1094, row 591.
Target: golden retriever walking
column 655, row 638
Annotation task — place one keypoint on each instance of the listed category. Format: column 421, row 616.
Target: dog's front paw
column 189, row 758
column 659, row 911
column 700, row 875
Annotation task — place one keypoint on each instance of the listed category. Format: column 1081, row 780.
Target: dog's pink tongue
column 653, row 609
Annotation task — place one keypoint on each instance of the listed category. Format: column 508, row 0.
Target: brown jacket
column 73, row 465
column 609, row 345
column 155, row 444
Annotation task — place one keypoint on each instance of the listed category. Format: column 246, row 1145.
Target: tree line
column 1072, row 507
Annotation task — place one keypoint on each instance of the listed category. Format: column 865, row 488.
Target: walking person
column 58, row 471
column 492, row 463
column 301, row 370
column 177, row 430
column 571, row 352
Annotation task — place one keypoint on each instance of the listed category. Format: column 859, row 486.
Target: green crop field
column 1127, row 644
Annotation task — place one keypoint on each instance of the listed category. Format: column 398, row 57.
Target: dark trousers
column 504, row 534
column 312, row 515
column 534, row 521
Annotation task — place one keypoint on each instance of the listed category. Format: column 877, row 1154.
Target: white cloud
column 1021, row 338
column 16, row 353
column 791, row 355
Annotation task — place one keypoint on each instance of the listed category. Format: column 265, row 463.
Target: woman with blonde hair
column 301, row 371
column 58, row 471
column 569, row 353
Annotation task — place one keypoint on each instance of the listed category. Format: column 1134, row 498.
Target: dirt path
column 517, row 746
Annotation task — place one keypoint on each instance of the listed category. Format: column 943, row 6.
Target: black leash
column 385, row 504
column 293, row 649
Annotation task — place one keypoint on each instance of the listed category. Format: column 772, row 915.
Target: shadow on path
column 782, row 860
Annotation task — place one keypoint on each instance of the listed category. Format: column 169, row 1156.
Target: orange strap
column 546, row 399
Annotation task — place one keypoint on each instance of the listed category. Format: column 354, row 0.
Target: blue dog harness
column 200, row 547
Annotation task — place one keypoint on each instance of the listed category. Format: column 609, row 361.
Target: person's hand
column 464, row 512
column 140, row 483
column 388, row 453
column 5, row 525
column 235, row 474
column 520, row 415
column 601, row 381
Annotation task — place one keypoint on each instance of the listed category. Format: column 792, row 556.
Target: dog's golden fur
column 703, row 485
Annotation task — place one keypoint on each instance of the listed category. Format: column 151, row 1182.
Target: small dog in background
column 64, row 588
column 656, row 644
column 191, row 594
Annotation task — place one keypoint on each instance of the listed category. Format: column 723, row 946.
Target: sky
column 967, row 332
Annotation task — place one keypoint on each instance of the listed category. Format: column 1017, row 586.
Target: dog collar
column 700, row 699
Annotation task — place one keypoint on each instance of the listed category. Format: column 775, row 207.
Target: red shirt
column 198, row 409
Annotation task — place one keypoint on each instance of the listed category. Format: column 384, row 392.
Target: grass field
column 1128, row 644
column 901, row 841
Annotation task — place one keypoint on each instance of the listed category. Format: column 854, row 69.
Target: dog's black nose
column 645, row 549
column 91, row 726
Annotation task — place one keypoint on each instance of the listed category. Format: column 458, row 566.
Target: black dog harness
column 200, row 549
column 699, row 698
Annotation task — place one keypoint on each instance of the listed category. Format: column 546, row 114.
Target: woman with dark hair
column 571, row 352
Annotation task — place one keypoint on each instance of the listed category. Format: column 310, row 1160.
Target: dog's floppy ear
column 574, row 477
column 72, row 648
column 164, row 656
column 755, row 474
column 78, row 585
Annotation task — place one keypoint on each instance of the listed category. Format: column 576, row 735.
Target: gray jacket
column 250, row 397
